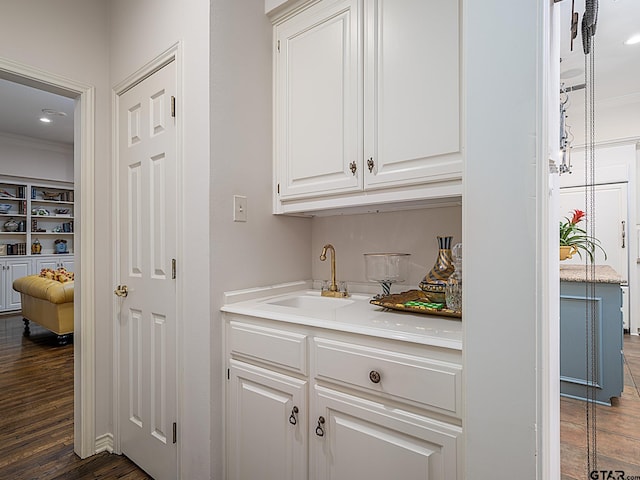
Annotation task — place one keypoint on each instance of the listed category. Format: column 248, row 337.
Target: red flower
column 578, row 215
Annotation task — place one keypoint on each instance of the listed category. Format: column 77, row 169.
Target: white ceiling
column 21, row 108
column 617, row 66
column 617, row 73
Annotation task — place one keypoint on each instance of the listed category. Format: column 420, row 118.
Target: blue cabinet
column 576, row 353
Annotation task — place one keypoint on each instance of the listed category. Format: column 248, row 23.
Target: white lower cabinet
column 310, row 403
column 9, row 271
column 53, row 263
column 360, row 438
column 267, row 434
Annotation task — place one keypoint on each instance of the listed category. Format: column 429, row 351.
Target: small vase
column 435, row 281
column 11, row 225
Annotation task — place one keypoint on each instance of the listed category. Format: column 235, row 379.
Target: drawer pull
column 293, row 419
column 320, row 427
column 374, row 376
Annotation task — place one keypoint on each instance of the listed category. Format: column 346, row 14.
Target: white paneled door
column 147, row 316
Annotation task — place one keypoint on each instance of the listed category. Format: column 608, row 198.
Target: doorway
column 84, row 381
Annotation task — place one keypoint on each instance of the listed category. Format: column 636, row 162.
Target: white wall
column 140, row 31
column 77, row 51
column 412, row 231
column 616, row 118
column 504, row 225
column 267, row 249
column 33, row 158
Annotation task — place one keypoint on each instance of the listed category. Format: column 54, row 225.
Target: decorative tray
column 415, row 301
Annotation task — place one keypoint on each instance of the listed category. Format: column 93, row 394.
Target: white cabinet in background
column 54, row 262
column 367, row 104
column 308, row 403
column 611, row 224
column 9, row 271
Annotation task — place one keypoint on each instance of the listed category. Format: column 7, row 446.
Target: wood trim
column 84, row 160
column 104, row 443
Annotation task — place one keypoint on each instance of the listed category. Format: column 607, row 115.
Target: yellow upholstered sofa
column 48, row 303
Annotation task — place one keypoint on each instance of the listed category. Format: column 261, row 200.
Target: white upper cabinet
column 412, row 91
column 367, row 103
column 317, row 100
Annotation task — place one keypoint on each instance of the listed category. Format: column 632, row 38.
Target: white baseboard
column 104, row 443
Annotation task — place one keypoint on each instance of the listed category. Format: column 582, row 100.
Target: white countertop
column 358, row 316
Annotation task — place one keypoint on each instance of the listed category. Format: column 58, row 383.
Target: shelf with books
column 43, row 210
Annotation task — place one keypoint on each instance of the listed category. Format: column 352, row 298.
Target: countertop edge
column 422, row 339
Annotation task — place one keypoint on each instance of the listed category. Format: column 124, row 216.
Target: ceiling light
column 45, row 120
column 632, row 40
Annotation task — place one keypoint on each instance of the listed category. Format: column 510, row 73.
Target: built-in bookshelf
column 36, row 218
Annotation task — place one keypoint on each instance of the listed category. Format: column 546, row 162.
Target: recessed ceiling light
column 45, row 120
column 632, row 40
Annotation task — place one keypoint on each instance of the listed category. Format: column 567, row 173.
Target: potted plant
column 574, row 239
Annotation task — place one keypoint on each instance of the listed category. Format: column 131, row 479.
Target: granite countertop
column 578, row 273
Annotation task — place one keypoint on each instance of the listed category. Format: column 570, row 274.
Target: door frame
column 172, row 54
column 84, row 439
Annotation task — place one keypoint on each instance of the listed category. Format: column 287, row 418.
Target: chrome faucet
column 333, row 291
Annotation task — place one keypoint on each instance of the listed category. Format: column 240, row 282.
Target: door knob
column 121, row 291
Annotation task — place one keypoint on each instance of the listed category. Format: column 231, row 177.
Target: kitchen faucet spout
column 333, row 290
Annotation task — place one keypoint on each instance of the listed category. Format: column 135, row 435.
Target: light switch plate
column 239, row 208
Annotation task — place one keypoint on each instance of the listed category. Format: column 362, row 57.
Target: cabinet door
column 266, row 425
column 67, row 264
column 412, row 92
column 318, row 108
column 15, row 269
column 365, row 439
column 47, row 262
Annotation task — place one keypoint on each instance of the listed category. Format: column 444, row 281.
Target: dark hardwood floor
column 36, row 416
column 617, row 427
column 36, row 412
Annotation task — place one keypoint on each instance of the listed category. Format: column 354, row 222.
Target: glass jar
column 453, row 290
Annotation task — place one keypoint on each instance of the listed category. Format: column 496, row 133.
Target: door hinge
column 173, row 268
column 228, row 374
column 175, row 432
column 278, row 189
column 278, row 45
column 173, row 106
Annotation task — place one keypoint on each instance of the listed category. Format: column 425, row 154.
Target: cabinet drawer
column 278, row 347
column 431, row 382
